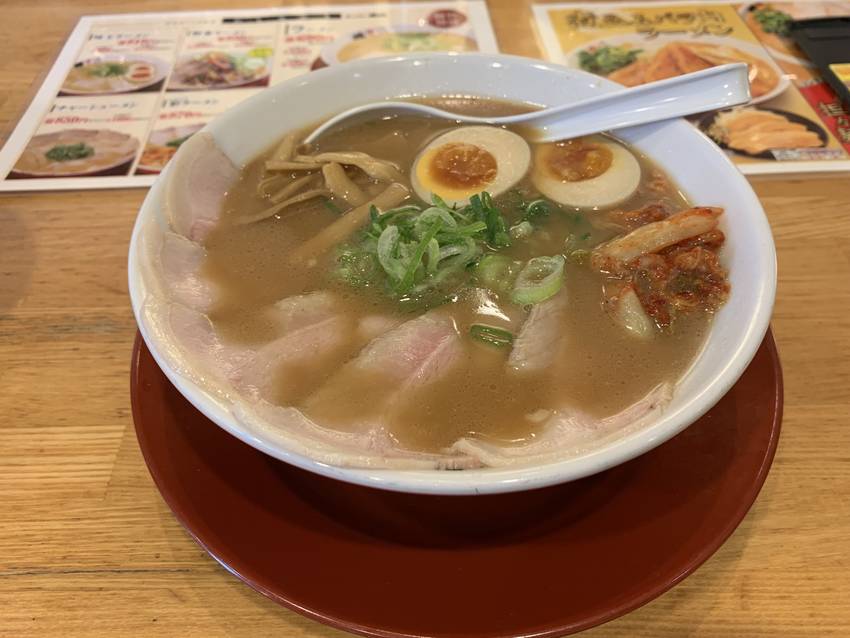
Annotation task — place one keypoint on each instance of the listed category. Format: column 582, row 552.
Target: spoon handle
column 714, row 88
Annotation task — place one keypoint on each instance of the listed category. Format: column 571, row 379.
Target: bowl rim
column 483, row 480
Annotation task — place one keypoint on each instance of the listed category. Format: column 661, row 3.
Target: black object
column 826, row 42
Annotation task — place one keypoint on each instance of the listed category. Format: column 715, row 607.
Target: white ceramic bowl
column 700, row 168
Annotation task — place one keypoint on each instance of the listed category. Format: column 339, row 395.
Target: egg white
column 612, row 187
column 511, row 152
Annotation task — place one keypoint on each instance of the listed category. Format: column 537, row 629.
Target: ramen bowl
column 700, row 169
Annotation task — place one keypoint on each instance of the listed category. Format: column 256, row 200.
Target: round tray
column 546, row 563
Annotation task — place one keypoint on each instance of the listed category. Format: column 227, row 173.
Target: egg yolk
column 577, row 160
column 462, row 166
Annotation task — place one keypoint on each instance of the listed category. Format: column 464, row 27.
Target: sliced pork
column 197, row 350
column 541, row 336
column 289, row 367
column 567, row 432
column 181, row 262
column 315, row 334
column 373, row 448
column 198, row 179
column 407, row 357
column 300, row 311
column 312, row 333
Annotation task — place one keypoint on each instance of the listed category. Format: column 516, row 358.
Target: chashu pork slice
column 566, row 434
column 208, row 361
column 364, row 392
column 181, row 261
column 312, row 334
column 541, row 336
column 407, row 357
column 285, row 369
column 193, row 347
column 294, row 431
column 199, row 177
column 316, row 335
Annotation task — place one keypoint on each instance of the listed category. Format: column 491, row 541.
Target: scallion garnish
column 521, row 230
column 415, row 261
column 496, row 272
column 68, row 152
column 492, row 335
column 540, row 279
column 331, row 206
column 419, row 249
column 536, row 210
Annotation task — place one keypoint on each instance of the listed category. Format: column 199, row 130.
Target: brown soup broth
column 602, row 369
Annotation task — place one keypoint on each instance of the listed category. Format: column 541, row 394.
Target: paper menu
column 127, row 89
column 787, row 128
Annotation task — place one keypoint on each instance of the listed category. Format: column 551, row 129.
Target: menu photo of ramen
column 388, row 40
column 77, row 151
column 115, row 73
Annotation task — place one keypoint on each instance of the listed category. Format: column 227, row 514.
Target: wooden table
column 87, row 546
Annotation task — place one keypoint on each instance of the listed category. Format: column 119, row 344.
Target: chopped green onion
column 433, row 256
column 440, row 202
column 388, row 244
column 536, row 209
column 415, row 262
column 772, row 21
column 176, row 143
column 605, row 59
column 521, row 230
column 429, row 216
column 465, row 231
column 484, row 210
column 540, row 279
column 498, row 337
column 496, row 272
column 417, row 253
column 452, row 249
column 357, row 266
column 331, row 206
column 467, row 254
column 68, row 152
column 107, row 69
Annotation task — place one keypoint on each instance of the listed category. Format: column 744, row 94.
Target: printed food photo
column 632, row 60
column 115, row 74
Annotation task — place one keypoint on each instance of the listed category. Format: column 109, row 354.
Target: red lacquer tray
column 545, row 563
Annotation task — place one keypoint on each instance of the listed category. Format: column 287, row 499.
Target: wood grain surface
column 87, row 546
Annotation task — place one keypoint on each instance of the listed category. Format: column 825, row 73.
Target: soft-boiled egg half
column 469, row 160
column 586, row 172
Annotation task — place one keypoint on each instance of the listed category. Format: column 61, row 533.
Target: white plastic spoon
column 714, row 88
